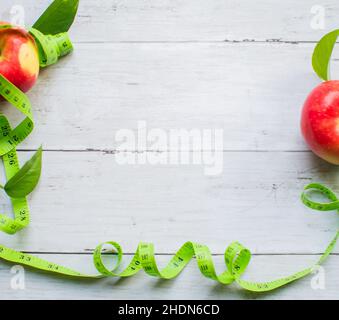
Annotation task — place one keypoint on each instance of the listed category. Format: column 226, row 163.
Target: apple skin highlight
column 320, row 121
column 19, row 57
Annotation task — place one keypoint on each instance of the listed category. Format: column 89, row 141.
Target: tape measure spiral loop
column 98, row 261
column 236, row 256
column 51, row 47
column 325, row 191
column 144, row 259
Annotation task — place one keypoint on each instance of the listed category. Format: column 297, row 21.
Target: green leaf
column 58, row 17
column 26, row 179
column 322, row 54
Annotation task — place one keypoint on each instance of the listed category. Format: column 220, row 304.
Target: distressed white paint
column 85, row 198
column 254, row 92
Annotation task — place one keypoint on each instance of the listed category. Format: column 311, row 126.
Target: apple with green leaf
column 320, row 113
column 19, row 57
column 22, row 53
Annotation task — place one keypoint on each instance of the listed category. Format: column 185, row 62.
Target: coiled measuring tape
column 50, row 48
column 237, row 257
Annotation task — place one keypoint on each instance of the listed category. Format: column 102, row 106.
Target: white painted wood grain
column 189, row 285
column 85, row 198
column 191, row 20
column 253, row 92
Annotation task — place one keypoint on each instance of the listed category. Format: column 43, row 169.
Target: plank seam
column 226, row 41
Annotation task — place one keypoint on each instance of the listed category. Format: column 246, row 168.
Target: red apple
column 320, row 121
column 19, row 58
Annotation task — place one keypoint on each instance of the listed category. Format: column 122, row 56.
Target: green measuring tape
column 237, row 257
column 50, row 49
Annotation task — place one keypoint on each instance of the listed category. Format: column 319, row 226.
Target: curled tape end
column 321, row 206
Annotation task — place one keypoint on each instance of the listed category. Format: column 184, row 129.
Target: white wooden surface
column 234, row 65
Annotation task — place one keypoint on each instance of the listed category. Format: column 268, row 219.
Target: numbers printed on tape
column 51, row 47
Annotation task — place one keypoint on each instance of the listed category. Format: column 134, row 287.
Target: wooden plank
column 190, row 284
column 192, row 20
column 249, row 91
column 85, row 198
column 227, row 65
